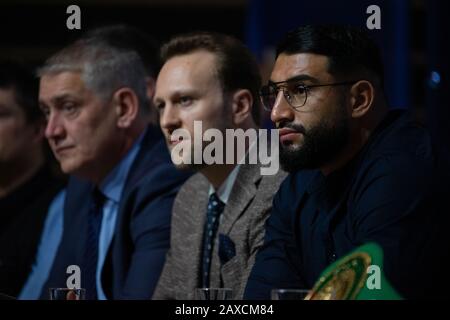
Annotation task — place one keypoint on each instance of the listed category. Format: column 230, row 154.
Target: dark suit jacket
column 241, row 225
column 23, row 215
column 395, row 192
column 137, row 253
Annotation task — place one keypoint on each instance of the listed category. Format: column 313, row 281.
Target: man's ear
column 126, row 104
column 242, row 106
column 362, row 95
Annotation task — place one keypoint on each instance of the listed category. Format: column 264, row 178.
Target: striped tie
column 215, row 208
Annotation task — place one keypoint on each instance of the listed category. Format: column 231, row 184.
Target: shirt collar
column 112, row 186
column 224, row 190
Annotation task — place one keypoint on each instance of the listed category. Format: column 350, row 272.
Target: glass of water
column 67, row 294
column 289, row 294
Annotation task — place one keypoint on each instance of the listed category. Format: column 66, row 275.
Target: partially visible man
column 27, row 183
column 120, row 36
column 358, row 172
column 118, row 202
column 219, row 214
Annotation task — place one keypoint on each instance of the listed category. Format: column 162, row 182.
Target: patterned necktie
column 215, row 208
column 91, row 253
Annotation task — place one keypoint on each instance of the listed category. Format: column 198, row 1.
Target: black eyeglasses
column 294, row 92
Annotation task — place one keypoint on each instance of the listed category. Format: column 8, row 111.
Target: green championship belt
column 357, row 276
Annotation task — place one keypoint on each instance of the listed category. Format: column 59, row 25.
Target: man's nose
column 281, row 110
column 54, row 128
column 169, row 118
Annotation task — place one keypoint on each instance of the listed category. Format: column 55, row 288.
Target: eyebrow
column 59, row 99
column 300, row 77
column 157, row 99
column 56, row 100
column 62, row 97
column 178, row 93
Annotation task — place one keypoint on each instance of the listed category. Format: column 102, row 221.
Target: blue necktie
column 215, row 208
column 91, row 249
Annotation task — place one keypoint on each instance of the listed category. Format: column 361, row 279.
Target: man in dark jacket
column 359, row 172
column 118, row 203
column 27, row 183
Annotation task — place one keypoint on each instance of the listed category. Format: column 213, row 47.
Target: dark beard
column 320, row 144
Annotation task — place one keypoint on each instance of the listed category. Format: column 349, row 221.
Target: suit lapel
column 244, row 190
column 141, row 164
column 144, row 161
column 195, row 210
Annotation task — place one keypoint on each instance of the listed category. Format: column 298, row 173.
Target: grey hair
column 104, row 68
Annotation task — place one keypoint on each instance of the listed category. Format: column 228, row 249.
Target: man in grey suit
column 219, row 214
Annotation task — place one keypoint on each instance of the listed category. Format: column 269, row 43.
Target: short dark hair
column 237, row 67
column 15, row 76
column 127, row 37
column 349, row 49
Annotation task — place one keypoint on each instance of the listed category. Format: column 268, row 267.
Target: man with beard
column 359, row 172
column 219, row 214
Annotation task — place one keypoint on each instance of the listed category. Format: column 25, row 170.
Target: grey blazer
column 242, row 222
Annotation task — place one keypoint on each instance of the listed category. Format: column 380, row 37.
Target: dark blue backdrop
column 268, row 20
column 415, row 44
